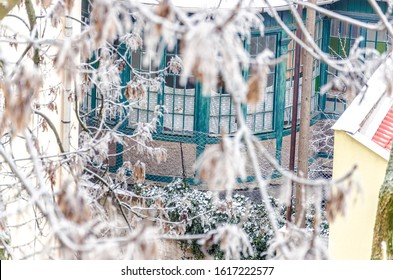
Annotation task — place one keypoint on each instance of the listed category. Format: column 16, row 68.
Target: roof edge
column 196, row 5
column 353, row 117
column 371, row 145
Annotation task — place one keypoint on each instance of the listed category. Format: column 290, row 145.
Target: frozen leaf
column 44, row 125
column 74, row 204
column 160, row 154
column 175, row 65
column 232, row 240
column 144, row 245
column 221, row 165
column 133, row 41
column 135, row 90
column 164, row 10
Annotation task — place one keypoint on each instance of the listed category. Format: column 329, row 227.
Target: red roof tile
column 384, row 134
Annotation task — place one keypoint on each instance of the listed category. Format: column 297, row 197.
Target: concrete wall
column 173, row 167
column 351, row 236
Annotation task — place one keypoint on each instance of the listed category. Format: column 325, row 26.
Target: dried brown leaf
column 69, row 4
column 198, row 75
column 254, row 94
column 162, row 10
column 45, row 3
column 138, row 172
column 44, row 125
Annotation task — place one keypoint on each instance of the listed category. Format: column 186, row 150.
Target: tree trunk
column 305, row 112
column 383, row 229
column 6, row 7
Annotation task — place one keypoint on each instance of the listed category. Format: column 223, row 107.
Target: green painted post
column 279, row 97
column 94, row 92
column 119, row 155
column 160, row 95
column 201, row 119
column 324, row 68
column 125, row 78
column 246, row 73
column 363, row 32
column 93, row 101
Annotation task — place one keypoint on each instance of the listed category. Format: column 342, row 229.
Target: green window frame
column 222, row 115
column 142, row 110
column 288, row 107
column 261, row 117
column 342, row 38
column 179, row 100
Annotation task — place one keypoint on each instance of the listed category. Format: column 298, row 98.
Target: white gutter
column 196, row 5
column 66, row 104
column 326, row 2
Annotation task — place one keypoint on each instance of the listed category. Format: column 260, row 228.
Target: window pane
column 344, row 30
column 335, row 29
column 355, row 32
column 382, row 36
column 371, row 35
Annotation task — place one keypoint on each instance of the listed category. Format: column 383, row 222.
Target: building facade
column 192, row 121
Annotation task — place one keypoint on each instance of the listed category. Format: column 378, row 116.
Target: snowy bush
column 200, row 211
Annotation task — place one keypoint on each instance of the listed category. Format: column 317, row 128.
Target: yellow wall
column 351, row 236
